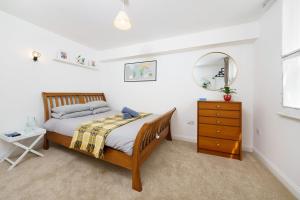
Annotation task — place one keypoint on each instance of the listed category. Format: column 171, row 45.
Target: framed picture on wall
column 140, row 71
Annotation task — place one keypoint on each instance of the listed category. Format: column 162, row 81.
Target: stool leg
column 18, row 160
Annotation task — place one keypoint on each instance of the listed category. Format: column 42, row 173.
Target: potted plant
column 227, row 93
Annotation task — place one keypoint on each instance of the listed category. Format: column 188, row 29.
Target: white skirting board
column 288, row 183
column 194, row 140
column 187, row 139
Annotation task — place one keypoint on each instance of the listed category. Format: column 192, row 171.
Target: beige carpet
column 174, row 171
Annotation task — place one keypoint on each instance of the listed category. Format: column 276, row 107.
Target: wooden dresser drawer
column 219, row 105
column 220, row 145
column 220, row 113
column 223, row 132
column 219, row 121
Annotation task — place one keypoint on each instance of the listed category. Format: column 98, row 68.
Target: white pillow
column 97, row 104
column 101, row 110
column 63, row 110
column 72, row 115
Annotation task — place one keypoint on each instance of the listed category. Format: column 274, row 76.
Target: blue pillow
column 130, row 111
column 126, row 116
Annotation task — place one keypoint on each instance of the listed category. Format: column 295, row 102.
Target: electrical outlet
column 257, row 131
column 191, row 123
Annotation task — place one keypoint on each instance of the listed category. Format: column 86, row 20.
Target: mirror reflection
column 215, row 70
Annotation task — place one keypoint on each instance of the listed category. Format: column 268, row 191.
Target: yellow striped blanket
column 90, row 136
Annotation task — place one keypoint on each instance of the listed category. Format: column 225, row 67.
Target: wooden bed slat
column 67, row 100
column 51, row 102
column 62, row 101
column 56, row 102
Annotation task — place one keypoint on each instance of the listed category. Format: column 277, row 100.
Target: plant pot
column 227, row 97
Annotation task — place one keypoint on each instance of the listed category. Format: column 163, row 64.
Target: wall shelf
column 75, row 64
column 289, row 116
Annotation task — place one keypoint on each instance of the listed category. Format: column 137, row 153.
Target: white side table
column 38, row 132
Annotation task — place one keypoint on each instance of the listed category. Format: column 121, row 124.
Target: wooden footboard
column 149, row 136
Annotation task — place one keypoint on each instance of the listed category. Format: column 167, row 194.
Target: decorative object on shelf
column 215, row 70
column 122, row 21
column 62, row 55
column 92, row 63
column 227, row 93
column 81, row 60
column 35, row 55
column 140, row 71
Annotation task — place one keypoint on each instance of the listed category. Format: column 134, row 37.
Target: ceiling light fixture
column 122, row 21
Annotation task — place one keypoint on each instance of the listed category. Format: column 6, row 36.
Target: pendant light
column 122, row 21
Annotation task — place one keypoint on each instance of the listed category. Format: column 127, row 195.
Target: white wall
column 277, row 142
column 22, row 80
column 175, row 87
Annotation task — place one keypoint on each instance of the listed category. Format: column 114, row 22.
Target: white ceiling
column 89, row 22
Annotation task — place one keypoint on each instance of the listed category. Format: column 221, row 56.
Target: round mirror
column 215, row 70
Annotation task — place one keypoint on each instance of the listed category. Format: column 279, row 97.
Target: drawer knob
column 218, row 114
column 218, row 131
column 218, row 106
column 218, row 145
column 218, row 122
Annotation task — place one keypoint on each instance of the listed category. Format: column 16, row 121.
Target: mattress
column 121, row 138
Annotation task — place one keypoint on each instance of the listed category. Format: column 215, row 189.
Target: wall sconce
column 35, row 55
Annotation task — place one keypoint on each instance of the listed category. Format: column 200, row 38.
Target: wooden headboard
column 52, row 100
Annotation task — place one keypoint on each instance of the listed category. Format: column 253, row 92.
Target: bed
column 139, row 141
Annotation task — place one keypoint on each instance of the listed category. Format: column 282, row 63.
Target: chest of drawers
column 219, row 128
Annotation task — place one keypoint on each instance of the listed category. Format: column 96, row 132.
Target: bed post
column 46, row 116
column 145, row 142
column 169, row 136
column 46, row 142
column 136, row 177
column 136, row 159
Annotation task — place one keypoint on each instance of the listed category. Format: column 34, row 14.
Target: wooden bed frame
column 148, row 137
